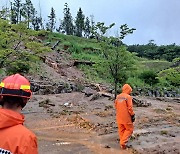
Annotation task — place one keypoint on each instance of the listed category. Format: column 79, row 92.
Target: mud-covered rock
column 46, row 103
column 35, row 87
column 47, row 87
column 156, row 92
column 176, row 100
column 140, row 103
column 95, row 97
column 59, row 88
column 88, row 91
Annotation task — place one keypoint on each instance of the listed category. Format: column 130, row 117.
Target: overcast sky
column 153, row 19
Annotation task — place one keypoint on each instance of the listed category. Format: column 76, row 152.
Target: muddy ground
column 71, row 124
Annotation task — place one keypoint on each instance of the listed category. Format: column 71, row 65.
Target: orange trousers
column 125, row 131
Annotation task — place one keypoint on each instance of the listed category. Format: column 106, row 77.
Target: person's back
column 123, row 111
column 124, row 115
column 14, row 137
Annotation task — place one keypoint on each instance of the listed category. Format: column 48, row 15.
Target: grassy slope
column 156, row 65
column 89, row 49
column 79, row 48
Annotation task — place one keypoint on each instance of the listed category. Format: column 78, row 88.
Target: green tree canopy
column 79, row 23
column 67, row 23
column 52, row 20
column 87, row 28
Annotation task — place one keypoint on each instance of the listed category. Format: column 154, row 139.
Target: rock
column 150, row 93
column 59, row 88
column 73, row 87
column 140, row 103
column 157, row 94
column 46, row 89
column 35, row 87
column 95, row 97
column 105, row 94
column 88, row 91
column 68, row 104
column 46, row 103
column 107, row 146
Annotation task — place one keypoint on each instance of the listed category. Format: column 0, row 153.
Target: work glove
column 133, row 118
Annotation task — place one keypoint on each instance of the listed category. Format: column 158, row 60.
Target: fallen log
column 77, row 62
column 140, row 103
column 105, row 94
column 101, row 94
column 55, row 45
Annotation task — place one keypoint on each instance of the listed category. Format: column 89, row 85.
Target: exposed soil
column 70, row 123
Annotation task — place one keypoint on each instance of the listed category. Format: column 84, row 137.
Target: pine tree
column 52, row 20
column 13, row 14
column 37, row 22
column 67, row 23
column 17, row 5
column 40, row 17
column 79, row 23
column 29, row 12
column 87, row 28
column 93, row 27
column 4, row 13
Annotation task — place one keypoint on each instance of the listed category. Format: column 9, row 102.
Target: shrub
column 135, row 82
column 170, row 76
column 18, row 66
column 36, row 47
column 149, row 77
column 75, row 48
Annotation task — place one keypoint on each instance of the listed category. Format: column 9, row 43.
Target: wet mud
column 71, row 123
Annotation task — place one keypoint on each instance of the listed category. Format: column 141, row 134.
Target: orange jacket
column 124, row 106
column 14, row 137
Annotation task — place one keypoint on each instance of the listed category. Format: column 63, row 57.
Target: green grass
column 156, row 65
column 90, row 50
column 71, row 40
column 96, row 72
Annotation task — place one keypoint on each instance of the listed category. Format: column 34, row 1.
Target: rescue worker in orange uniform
column 125, row 115
column 14, row 137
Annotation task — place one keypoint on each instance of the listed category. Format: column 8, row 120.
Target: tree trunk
column 115, row 88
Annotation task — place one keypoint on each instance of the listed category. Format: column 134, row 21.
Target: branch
column 18, row 42
column 56, row 44
column 4, row 58
column 110, row 67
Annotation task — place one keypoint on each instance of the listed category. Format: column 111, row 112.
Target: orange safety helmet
column 15, row 85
